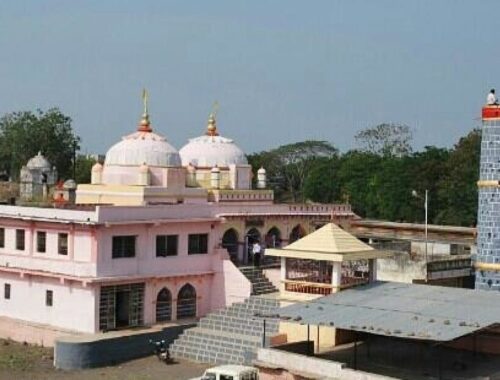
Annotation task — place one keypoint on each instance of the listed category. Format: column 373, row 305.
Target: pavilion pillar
column 372, row 269
column 336, row 276
column 283, row 274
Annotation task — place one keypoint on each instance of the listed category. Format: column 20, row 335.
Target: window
column 6, row 291
column 2, row 237
column 62, row 243
column 41, row 237
column 20, row 240
column 123, row 246
column 166, row 245
column 225, row 377
column 198, row 244
column 49, row 295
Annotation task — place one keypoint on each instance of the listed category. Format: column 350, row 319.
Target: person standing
column 256, row 251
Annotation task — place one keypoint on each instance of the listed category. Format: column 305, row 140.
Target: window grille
column 197, row 244
column 41, row 237
column 166, row 245
column 123, row 246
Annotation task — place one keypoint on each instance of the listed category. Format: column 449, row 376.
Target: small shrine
column 326, row 261
column 38, row 176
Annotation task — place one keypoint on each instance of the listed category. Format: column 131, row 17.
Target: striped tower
column 488, row 218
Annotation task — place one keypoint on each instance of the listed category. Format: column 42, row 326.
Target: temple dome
column 39, row 162
column 212, row 150
column 143, row 147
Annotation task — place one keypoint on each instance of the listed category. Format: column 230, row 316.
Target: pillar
column 488, row 218
column 372, row 268
column 336, row 276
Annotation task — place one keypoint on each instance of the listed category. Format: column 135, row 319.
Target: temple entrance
column 230, row 243
column 252, row 237
column 122, row 308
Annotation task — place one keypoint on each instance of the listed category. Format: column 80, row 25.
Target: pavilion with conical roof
column 326, row 261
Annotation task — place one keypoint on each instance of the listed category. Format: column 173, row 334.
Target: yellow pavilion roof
column 330, row 243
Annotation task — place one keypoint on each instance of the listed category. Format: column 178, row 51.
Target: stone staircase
column 260, row 283
column 228, row 336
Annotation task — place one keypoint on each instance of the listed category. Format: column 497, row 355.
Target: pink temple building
column 157, row 236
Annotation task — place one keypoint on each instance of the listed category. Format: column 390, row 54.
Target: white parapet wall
column 310, row 366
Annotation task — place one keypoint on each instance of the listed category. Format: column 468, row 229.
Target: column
column 336, row 276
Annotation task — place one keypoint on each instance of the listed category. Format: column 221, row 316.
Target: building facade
column 155, row 237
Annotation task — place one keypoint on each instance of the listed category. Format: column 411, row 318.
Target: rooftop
column 330, row 243
column 409, row 311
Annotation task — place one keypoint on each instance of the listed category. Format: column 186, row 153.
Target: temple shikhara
column 159, row 235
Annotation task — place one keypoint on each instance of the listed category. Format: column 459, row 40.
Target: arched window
column 186, row 302
column 273, row 238
column 164, row 306
column 230, row 242
column 297, row 233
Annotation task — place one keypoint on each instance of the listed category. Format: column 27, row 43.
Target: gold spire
column 144, row 125
column 212, row 121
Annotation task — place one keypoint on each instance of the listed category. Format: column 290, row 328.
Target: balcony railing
column 322, row 288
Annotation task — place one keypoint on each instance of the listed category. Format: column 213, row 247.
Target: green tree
column 457, row 191
column 23, row 134
column 288, row 166
column 322, row 184
column 358, row 180
column 83, row 169
column 427, row 170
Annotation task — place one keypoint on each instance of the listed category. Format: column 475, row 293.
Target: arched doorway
column 230, row 242
column 164, row 306
column 273, row 238
column 186, row 302
column 297, row 233
column 252, row 237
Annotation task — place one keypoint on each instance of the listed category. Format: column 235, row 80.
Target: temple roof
column 330, row 243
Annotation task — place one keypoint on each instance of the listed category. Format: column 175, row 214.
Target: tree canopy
column 387, row 139
column 378, row 180
column 23, row 134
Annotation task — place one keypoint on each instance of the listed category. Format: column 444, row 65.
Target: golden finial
column 212, row 121
column 144, row 125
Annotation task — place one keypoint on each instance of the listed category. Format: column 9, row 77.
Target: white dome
column 210, row 151
column 39, row 162
column 143, row 147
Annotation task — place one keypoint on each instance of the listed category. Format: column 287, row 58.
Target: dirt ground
column 23, row 362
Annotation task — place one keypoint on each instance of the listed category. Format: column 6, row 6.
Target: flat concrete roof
column 409, row 311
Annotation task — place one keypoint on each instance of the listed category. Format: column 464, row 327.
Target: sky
column 281, row 71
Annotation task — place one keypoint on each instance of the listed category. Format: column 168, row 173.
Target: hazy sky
column 282, row 71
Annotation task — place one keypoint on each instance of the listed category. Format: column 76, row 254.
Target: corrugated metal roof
column 408, row 311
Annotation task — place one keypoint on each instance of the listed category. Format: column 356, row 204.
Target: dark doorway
column 122, row 308
column 297, row 233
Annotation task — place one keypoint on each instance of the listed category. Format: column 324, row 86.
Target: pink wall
column 229, row 284
column 145, row 263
